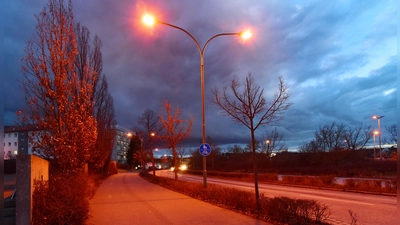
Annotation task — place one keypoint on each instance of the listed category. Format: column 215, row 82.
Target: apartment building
column 16, row 141
column 121, row 144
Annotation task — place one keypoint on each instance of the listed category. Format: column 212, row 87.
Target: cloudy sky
column 338, row 57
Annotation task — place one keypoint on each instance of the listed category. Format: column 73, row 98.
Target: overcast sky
column 338, row 57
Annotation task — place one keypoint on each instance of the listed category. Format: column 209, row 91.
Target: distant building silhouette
column 121, row 144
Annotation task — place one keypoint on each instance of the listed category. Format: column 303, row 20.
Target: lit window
column 15, row 152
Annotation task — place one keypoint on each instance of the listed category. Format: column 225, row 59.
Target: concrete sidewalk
column 126, row 198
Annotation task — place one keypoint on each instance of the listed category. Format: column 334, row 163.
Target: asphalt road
column 126, row 198
column 370, row 209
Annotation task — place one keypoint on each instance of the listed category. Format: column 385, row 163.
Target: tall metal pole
column 152, row 153
column 379, row 133
column 374, row 146
column 203, row 120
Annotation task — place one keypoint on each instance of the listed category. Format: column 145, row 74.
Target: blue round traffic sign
column 205, row 149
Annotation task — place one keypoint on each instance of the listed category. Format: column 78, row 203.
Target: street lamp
column 375, row 133
column 379, row 133
column 152, row 134
column 149, row 20
column 268, row 142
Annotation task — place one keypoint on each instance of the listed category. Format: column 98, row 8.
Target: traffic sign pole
column 205, row 150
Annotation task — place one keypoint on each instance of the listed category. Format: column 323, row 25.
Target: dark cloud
column 336, row 56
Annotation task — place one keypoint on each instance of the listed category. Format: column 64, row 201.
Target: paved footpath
column 126, row 198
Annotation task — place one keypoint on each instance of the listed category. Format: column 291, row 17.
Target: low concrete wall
column 29, row 169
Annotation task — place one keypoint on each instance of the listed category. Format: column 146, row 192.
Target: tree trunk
column 253, row 146
column 175, row 163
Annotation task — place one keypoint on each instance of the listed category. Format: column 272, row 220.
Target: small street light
column 150, row 21
column 379, row 133
column 152, row 134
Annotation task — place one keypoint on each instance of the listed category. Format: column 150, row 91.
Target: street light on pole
column 152, row 134
column 268, row 142
column 149, row 20
column 375, row 133
column 379, row 133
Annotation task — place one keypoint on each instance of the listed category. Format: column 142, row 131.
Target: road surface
column 126, row 198
column 370, row 209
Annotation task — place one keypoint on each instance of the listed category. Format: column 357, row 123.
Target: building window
column 9, row 143
column 15, row 152
column 15, row 135
column 15, row 143
column 9, row 135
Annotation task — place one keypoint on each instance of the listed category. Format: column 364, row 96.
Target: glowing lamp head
column 245, row 34
column 148, row 20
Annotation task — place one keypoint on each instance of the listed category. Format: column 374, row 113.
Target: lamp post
column 149, row 20
column 379, row 133
column 375, row 133
column 347, row 143
column 152, row 134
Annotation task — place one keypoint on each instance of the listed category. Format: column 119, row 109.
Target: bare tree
column 235, row 149
column 392, row 130
column 58, row 100
column 272, row 141
column 313, row 146
column 176, row 129
column 250, row 108
column 248, row 147
column 140, row 152
column 331, row 136
column 150, row 121
column 181, row 151
column 357, row 137
column 134, row 147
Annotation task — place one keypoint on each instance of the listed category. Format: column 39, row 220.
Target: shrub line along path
column 126, row 198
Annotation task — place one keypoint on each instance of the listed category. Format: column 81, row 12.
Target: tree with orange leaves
column 175, row 130
column 59, row 100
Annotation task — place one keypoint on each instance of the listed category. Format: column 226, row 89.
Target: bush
column 63, row 199
column 293, row 179
column 328, row 179
column 112, row 168
column 391, row 185
column 295, row 211
column 282, row 209
column 268, row 177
